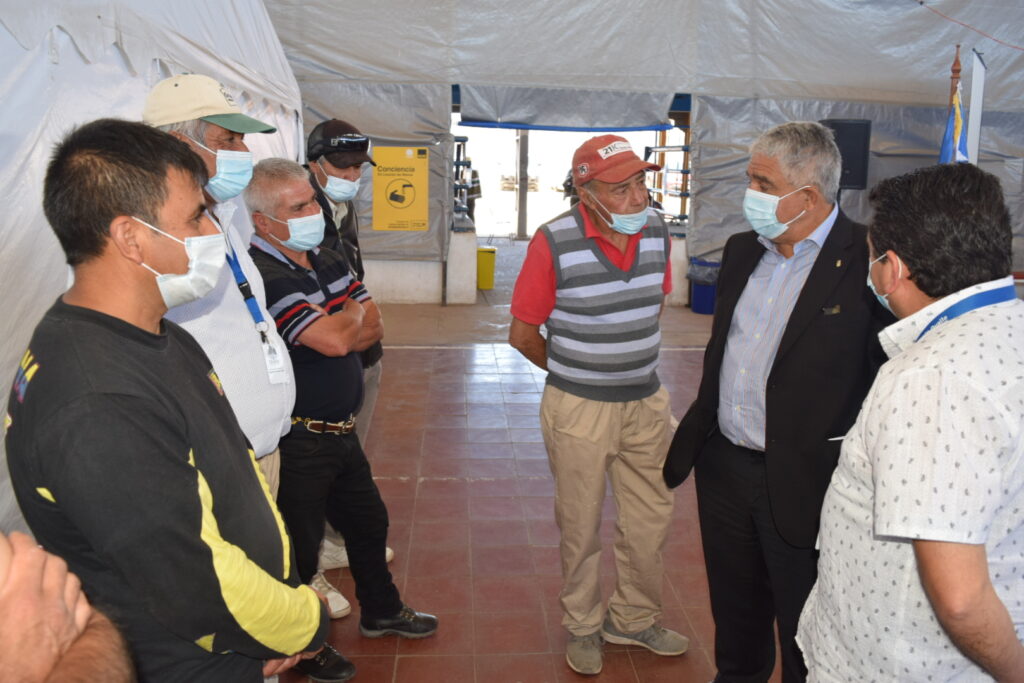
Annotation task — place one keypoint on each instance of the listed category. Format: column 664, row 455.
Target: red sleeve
column 666, row 287
column 533, row 298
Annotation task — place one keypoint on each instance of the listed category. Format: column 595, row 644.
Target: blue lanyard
column 979, row 300
column 247, row 295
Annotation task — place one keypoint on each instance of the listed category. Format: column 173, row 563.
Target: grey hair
column 260, row 194
column 807, row 154
column 193, row 128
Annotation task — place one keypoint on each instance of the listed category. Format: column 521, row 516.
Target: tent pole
column 523, row 160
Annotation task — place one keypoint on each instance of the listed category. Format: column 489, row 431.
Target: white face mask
column 339, row 189
column 207, row 255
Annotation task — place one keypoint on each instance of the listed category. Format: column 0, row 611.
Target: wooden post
column 954, row 75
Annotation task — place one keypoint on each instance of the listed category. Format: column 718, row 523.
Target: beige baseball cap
column 194, row 96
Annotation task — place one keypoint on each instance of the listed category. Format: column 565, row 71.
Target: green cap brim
column 239, row 123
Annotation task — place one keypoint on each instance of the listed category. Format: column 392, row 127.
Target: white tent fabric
column 894, row 51
column 68, row 63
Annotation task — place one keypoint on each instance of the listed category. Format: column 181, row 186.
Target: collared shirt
column 757, row 325
column 533, row 297
column 327, row 387
column 224, row 327
column 937, row 453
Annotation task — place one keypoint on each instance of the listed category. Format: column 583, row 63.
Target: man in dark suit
column 793, row 351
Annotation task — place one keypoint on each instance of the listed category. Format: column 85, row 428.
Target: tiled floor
column 456, row 449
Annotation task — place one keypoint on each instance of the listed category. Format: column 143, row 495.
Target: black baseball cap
column 340, row 142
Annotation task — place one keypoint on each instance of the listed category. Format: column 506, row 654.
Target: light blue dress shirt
column 757, row 325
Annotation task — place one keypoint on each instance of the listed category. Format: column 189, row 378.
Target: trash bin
column 485, row 257
column 703, row 276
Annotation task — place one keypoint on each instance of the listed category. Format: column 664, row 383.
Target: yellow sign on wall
column 400, row 188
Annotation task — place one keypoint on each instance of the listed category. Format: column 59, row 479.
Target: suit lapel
column 825, row 276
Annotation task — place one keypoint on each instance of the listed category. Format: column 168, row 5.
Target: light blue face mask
column 339, row 189
column 303, row 233
column 760, row 209
column 234, row 171
column 625, row 223
column 883, row 298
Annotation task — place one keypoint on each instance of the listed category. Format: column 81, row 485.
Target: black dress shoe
column 408, row 623
column 328, row 666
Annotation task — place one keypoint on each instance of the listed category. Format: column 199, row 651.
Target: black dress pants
column 755, row 577
column 327, row 476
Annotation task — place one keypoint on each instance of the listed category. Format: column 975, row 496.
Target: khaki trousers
column 628, row 441
column 270, row 466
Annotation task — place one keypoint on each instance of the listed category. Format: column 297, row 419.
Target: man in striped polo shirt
column 326, row 316
column 596, row 277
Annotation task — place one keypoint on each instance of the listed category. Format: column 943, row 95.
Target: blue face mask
column 625, row 223
column 883, row 298
column 304, row 233
column 234, row 171
column 339, row 189
column 760, row 209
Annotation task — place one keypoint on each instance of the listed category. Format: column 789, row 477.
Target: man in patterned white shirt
column 921, row 573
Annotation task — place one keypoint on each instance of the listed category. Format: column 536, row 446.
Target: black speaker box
column 853, row 137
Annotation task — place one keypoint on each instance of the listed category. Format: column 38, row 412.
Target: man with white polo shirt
column 231, row 323
column 921, row 576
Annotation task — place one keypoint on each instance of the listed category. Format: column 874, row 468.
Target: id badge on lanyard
column 274, row 358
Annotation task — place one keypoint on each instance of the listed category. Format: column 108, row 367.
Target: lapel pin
column 839, row 263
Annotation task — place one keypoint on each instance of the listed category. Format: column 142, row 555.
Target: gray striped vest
column 603, row 335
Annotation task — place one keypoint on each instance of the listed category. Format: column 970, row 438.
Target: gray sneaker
column 583, row 654
column 658, row 640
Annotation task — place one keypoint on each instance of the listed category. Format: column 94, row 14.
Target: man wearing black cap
column 336, row 151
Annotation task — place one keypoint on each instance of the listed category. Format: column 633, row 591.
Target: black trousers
column 755, row 577
column 327, row 476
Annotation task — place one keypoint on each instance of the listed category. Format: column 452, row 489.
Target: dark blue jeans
column 327, row 476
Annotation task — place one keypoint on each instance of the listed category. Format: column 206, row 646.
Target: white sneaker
column 334, row 556
column 337, row 605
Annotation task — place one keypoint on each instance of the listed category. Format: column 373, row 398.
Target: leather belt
column 324, row 427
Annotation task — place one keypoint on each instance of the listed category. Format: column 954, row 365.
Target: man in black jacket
column 793, row 351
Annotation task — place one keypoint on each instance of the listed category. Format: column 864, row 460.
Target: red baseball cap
column 608, row 158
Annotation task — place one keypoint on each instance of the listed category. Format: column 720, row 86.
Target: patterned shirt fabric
column 937, row 453
column 757, row 325
column 327, row 387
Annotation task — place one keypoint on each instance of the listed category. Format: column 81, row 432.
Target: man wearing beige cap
column 596, row 277
column 231, row 323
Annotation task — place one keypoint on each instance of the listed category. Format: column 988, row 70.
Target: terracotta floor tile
column 499, row 467
column 440, row 534
column 529, row 451
column 544, row 532
column 617, row 667
column 535, row 668
column 454, row 637
column 524, row 421
column 484, row 409
column 514, row 408
column 487, row 421
column 505, row 560
column 537, row 486
column 651, row 668
column 547, row 560
column 494, row 486
column 345, row 637
column 448, row 421
column 432, row 669
column 483, row 396
column 533, row 468
column 487, row 451
column 443, row 487
column 538, row 507
column 495, row 507
column 396, row 487
column 437, row 594
column 441, row 509
column 531, row 435
column 505, row 593
column 488, row 435
column 508, row 633
column 491, row 532
column 438, row 562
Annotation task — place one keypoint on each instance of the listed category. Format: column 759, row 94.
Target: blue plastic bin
column 702, row 292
